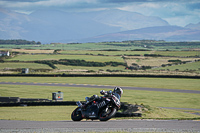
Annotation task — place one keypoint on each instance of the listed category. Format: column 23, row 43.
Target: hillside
column 168, row 33
column 106, row 25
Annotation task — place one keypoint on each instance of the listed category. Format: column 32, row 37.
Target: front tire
column 106, row 115
column 76, row 115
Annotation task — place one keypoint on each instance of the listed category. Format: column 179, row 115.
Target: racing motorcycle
column 103, row 109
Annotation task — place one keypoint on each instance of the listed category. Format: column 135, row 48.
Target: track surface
column 101, row 86
column 97, row 126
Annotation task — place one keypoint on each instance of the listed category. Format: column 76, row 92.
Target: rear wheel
column 76, row 115
column 105, row 115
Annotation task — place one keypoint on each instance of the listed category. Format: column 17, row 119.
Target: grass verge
column 152, row 98
column 59, row 113
column 166, row 83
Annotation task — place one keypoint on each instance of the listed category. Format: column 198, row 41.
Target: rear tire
column 104, row 116
column 76, row 115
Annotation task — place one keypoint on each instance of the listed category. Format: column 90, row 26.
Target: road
column 97, row 126
column 102, row 86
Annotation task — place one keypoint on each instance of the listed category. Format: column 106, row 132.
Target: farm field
column 137, row 56
column 33, row 51
column 125, row 45
column 179, row 53
column 23, row 65
column 134, row 62
column 85, row 69
column 57, row 57
column 185, row 67
column 151, row 61
column 116, row 53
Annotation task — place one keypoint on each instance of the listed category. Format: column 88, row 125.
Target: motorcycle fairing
column 92, row 111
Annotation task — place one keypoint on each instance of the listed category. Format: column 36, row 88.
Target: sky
column 175, row 12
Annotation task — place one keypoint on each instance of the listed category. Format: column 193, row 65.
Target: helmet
column 118, row 90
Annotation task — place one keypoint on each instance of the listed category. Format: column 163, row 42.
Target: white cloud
column 46, row 3
column 178, row 12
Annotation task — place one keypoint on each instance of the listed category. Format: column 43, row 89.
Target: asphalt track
column 102, row 86
column 97, row 126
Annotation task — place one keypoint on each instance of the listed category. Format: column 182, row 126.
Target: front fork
column 79, row 104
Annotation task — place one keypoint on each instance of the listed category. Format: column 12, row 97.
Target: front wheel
column 76, row 115
column 105, row 115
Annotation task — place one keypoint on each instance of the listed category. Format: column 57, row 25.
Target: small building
column 4, row 53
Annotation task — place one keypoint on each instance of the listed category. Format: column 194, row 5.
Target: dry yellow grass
column 153, row 61
column 32, row 51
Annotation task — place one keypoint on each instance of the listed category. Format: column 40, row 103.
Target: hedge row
column 99, row 75
column 72, row 62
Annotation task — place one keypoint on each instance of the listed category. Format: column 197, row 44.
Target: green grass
column 115, row 56
column 195, row 66
column 57, row 57
column 37, row 113
column 166, row 99
column 31, row 91
column 90, row 52
column 167, row 83
column 152, row 98
column 24, row 65
column 178, row 53
column 58, row 113
column 77, row 68
column 158, row 61
column 52, row 113
column 107, row 46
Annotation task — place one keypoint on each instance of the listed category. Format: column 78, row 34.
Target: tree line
column 19, row 42
column 73, row 62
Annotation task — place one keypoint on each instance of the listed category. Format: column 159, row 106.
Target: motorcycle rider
column 117, row 92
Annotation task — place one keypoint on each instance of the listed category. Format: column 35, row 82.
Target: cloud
column 177, row 12
column 31, row 4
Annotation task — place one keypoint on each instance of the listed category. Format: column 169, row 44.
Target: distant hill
column 124, row 20
column 49, row 26
column 193, row 26
column 168, row 33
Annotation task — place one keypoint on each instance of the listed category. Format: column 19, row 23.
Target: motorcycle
column 103, row 109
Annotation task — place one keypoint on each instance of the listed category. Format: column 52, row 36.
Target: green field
column 125, row 45
column 116, row 53
column 95, row 52
column 127, row 57
column 23, row 65
column 178, row 53
column 59, row 113
column 166, row 83
column 195, row 66
column 151, row 98
column 74, row 93
column 57, row 57
column 65, row 68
